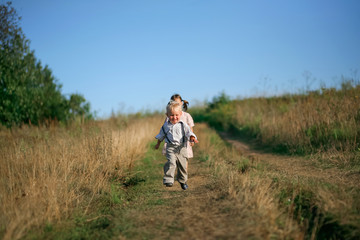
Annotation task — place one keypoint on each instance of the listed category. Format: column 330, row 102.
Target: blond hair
column 173, row 105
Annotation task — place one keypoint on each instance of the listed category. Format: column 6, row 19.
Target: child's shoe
column 168, row 184
column 184, row 186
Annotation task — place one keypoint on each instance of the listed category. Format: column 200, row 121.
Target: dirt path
column 296, row 166
column 197, row 213
column 204, row 212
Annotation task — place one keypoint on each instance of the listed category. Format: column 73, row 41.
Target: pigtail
column 185, row 105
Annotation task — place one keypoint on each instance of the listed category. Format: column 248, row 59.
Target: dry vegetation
column 329, row 120
column 324, row 123
column 323, row 126
column 327, row 125
column 251, row 194
column 46, row 174
column 280, row 204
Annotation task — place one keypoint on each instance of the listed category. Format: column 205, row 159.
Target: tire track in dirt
column 294, row 165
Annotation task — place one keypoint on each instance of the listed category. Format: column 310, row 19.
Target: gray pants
column 176, row 157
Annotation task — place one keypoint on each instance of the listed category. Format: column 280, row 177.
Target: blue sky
column 132, row 55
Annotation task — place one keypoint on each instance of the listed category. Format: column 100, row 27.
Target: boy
column 176, row 134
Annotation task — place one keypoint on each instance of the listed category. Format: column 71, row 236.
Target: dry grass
column 329, row 120
column 325, row 123
column 47, row 174
column 280, row 205
column 252, row 195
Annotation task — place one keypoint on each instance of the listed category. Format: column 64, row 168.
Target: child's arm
column 160, row 137
column 191, row 124
column 157, row 144
column 190, row 134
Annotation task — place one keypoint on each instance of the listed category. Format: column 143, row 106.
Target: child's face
column 174, row 116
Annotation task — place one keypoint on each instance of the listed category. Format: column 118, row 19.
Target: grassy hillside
column 323, row 127
column 278, row 203
column 325, row 123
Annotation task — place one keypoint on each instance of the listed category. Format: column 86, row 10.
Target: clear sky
column 132, row 55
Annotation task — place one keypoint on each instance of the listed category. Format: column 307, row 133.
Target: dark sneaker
column 168, row 184
column 184, row 186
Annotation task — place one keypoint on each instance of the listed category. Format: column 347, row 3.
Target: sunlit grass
column 283, row 206
column 48, row 173
column 325, row 123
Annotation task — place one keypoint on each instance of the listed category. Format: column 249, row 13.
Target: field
column 51, row 174
column 265, row 168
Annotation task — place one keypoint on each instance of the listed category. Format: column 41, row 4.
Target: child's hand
column 193, row 140
column 157, row 146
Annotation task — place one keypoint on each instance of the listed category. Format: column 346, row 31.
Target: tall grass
column 46, row 174
column 251, row 195
column 277, row 205
column 327, row 120
column 314, row 121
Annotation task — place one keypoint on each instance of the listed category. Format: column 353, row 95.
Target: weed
column 116, row 197
column 132, row 181
column 156, row 202
column 48, row 227
column 243, row 165
column 204, row 157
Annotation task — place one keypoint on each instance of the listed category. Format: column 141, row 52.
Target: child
column 186, row 118
column 176, row 134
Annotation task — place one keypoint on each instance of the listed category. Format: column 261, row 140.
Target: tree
column 79, row 107
column 9, row 22
column 29, row 93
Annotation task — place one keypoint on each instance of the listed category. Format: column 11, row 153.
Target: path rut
column 294, row 165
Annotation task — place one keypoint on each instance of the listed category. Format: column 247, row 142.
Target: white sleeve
column 188, row 132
